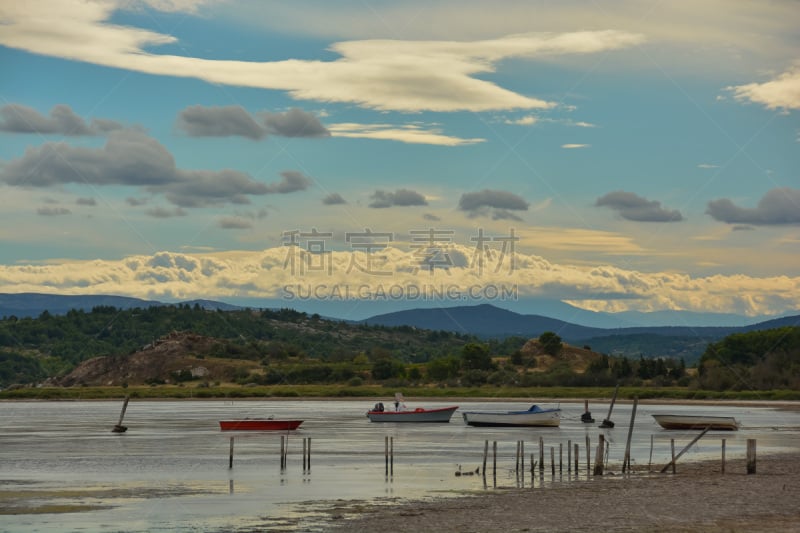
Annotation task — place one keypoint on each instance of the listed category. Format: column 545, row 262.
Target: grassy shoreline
column 166, row 392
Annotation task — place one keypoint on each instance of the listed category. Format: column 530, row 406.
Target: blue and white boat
column 535, row 416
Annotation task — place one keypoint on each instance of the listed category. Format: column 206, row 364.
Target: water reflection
column 171, row 469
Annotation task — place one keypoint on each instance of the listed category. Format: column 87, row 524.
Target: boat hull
column 255, row 424
column 415, row 415
column 548, row 418
column 725, row 423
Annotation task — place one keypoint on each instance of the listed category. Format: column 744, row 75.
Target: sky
column 614, row 155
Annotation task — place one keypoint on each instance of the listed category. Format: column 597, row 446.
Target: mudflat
column 697, row 498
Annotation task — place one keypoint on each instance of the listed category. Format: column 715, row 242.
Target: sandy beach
column 697, row 498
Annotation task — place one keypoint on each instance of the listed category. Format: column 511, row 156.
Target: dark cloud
column 497, row 204
column 16, row 118
column 431, row 217
column 334, row 198
column 401, row 197
column 292, row 181
column 234, row 223
column 201, row 188
column 135, row 201
column 130, row 158
column 504, row 214
column 228, row 121
column 86, row 201
column 295, row 123
column 163, row 212
column 777, row 207
column 631, row 206
column 53, row 211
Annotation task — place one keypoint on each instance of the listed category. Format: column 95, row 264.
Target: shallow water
column 170, row 470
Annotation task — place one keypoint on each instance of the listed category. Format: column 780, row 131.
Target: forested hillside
column 184, row 344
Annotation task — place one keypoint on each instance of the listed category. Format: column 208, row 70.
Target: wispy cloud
column 379, row 74
column 407, row 133
column 783, row 92
column 575, row 146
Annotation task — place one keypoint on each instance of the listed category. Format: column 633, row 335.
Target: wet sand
column 698, row 498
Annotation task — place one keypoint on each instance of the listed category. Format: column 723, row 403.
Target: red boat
column 259, row 424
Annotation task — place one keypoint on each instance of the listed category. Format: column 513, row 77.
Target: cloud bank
column 267, row 274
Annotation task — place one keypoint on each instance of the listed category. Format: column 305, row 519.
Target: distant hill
column 487, row 321
column 484, row 320
column 30, row 304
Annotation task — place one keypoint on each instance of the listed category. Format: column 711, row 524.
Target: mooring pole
column 569, row 456
column 230, row 455
column 119, row 428
column 723, row 456
column 607, row 423
column 541, row 454
column 751, row 456
column 588, row 456
column 598, row 460
column 626, row 462
column 494, row 462
column 485, row 453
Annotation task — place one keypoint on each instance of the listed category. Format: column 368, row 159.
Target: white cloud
column 380, row 74
column 575, row 146
column 266, row 274
column 408, row 133
column 783, row 92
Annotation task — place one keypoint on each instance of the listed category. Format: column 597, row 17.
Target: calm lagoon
column 170, row 470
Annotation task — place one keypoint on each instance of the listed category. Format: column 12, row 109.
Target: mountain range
column 687, row 340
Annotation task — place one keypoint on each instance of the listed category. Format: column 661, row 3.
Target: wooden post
column 485, row 453
column 305, row 451
column 672, row 452
column 494, row 462
column 533, row 468
column 577, row 462
column 588, row 457
column 598, row 460
column 391, row 456
column 386, row 455
column 569, row 456
column 522, row 457
column 560, row 457
column 541, row 454
column 607, row 423
column 751, row 456
column 308, row 462
column 723, row 456
column 626, row 462
column 650, row 461
column 230, row 455
column 516, row 464
column 674, row 457
column 283, row 453
column 119, row 428
column 553, row 461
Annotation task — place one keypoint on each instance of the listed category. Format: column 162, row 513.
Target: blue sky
column 616, row 155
